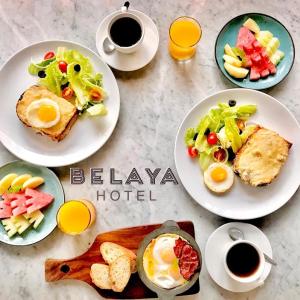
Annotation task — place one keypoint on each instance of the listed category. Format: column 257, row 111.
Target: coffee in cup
column 244, row 262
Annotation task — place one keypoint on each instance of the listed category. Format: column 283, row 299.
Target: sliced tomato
column 212, row 138
column 49, row 55
column 95, row 95
column 67, row 93
column 192, row 151
column 220, row 154
column 62, row 65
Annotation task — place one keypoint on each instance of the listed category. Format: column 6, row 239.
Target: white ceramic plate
column 87, row 135
column 136, row 60
column 215, row 251
column 243, row 201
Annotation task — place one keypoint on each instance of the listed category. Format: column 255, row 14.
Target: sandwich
column 259, row 161
column 46, row 113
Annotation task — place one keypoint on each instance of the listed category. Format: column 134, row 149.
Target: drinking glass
column 75, row 216
column 185, row 33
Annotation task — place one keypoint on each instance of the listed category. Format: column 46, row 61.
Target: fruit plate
column 87, row 135
column 229, row 33
column 52, row 186
column 242, row 202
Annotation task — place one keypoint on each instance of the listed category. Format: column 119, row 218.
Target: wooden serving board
column 79, row 267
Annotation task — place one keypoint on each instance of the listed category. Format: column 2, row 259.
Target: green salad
column 69, row 74
column 220, row 133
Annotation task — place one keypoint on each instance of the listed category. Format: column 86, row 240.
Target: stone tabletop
column 153, row 102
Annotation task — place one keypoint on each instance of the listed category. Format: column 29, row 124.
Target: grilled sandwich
column 261, row 158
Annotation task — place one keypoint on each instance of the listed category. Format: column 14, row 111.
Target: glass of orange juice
column 75, row 216
column 185, row 33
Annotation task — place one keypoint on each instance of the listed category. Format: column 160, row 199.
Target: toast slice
column 111, row 251
column 261, row 158
column 119, row 273
column 68, row 112
column 100, row 276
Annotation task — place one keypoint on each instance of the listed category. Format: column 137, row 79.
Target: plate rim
column 75, row 160
column 60, row 186
column 229, row 77
column 224, row 215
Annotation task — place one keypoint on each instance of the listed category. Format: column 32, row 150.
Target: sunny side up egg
column 43, row 113
column 161, row 264
column 219, row 177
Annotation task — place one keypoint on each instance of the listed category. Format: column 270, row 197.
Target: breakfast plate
column 242, row 201
column 214, row 255
column 87, row 135
column 228, row 35
column 136, row 60
column 51, row 186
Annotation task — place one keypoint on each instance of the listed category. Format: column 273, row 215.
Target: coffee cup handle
column 125, row 7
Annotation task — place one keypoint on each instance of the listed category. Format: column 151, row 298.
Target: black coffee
column 125, row 32
column 242, row 260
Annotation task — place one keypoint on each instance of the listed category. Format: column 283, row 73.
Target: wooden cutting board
column 79, row 267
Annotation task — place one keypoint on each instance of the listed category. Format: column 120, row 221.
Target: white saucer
column 136, row 60
column 214, row 255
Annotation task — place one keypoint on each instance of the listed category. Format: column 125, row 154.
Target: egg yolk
column 167, row 255
column 174, row 271
column 46, row 113
column 218, row 174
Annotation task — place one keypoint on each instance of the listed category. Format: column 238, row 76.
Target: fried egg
column 43, row 113
column 219, row 177
column 160, row 262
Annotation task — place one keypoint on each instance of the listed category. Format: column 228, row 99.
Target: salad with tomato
column 69, row 74
column 220, row 133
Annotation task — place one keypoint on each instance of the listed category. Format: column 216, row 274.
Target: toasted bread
column 119, row 273
column 260, row 159
column 111, row 251
column 68, row 112
column 100, row 276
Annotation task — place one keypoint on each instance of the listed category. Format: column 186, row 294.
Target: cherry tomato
column 95, row 95
column 240, row 124
column 192, row 151
column 49, row 55
column 63, row 66
column 212, row 138
column 67, row 93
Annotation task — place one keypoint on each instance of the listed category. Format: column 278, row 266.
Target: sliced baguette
column 111, row 251
column 100, row 276
column 119, row 273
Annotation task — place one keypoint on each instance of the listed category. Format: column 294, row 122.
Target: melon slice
column 233, row 61
column 5, row 210
column 37, row 200
column 252, row 25
column 20, row 223
column 6, row 181
column 35, row 217
column 236, row 72
column 228, row 51
column 264, row 37
column 272, row 46
column 277, row 57
column 245, row 38
column 254, row 74
column 18, row 203
column 9, row 227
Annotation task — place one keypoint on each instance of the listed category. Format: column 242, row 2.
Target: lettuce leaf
column 97, row 110
column 189, row 137
column 232, row 134
column 205, row 160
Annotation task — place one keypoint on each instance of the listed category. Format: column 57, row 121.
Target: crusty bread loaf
column 100, row 276
column 111, row 251
column 68, row 112
column 119, row 273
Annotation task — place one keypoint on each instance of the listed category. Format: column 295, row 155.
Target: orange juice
column 185, row 33
column 75, row 216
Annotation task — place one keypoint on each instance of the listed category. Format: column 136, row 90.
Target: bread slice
column 111, row 251
column 119, row 273
column 100, row 276
column 261, row 158
column 68, row 112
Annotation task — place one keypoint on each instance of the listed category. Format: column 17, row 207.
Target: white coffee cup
column 124, row 12
column 255, row 277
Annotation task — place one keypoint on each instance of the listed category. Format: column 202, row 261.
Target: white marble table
column 153, row 102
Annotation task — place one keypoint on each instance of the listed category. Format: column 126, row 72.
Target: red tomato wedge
column 37, row 200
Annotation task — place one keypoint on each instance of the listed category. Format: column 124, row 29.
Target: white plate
column 136, row 60
column 243, row 201
column 215, row 249
column 87, row 135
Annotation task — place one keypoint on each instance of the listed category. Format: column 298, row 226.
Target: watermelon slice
column 5, row 210
column 17, row 203
column 245, row 39
column 36, row 200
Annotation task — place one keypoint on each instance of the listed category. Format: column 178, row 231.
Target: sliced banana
column 19, row 181
column 6, row 182
column 33, row 182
